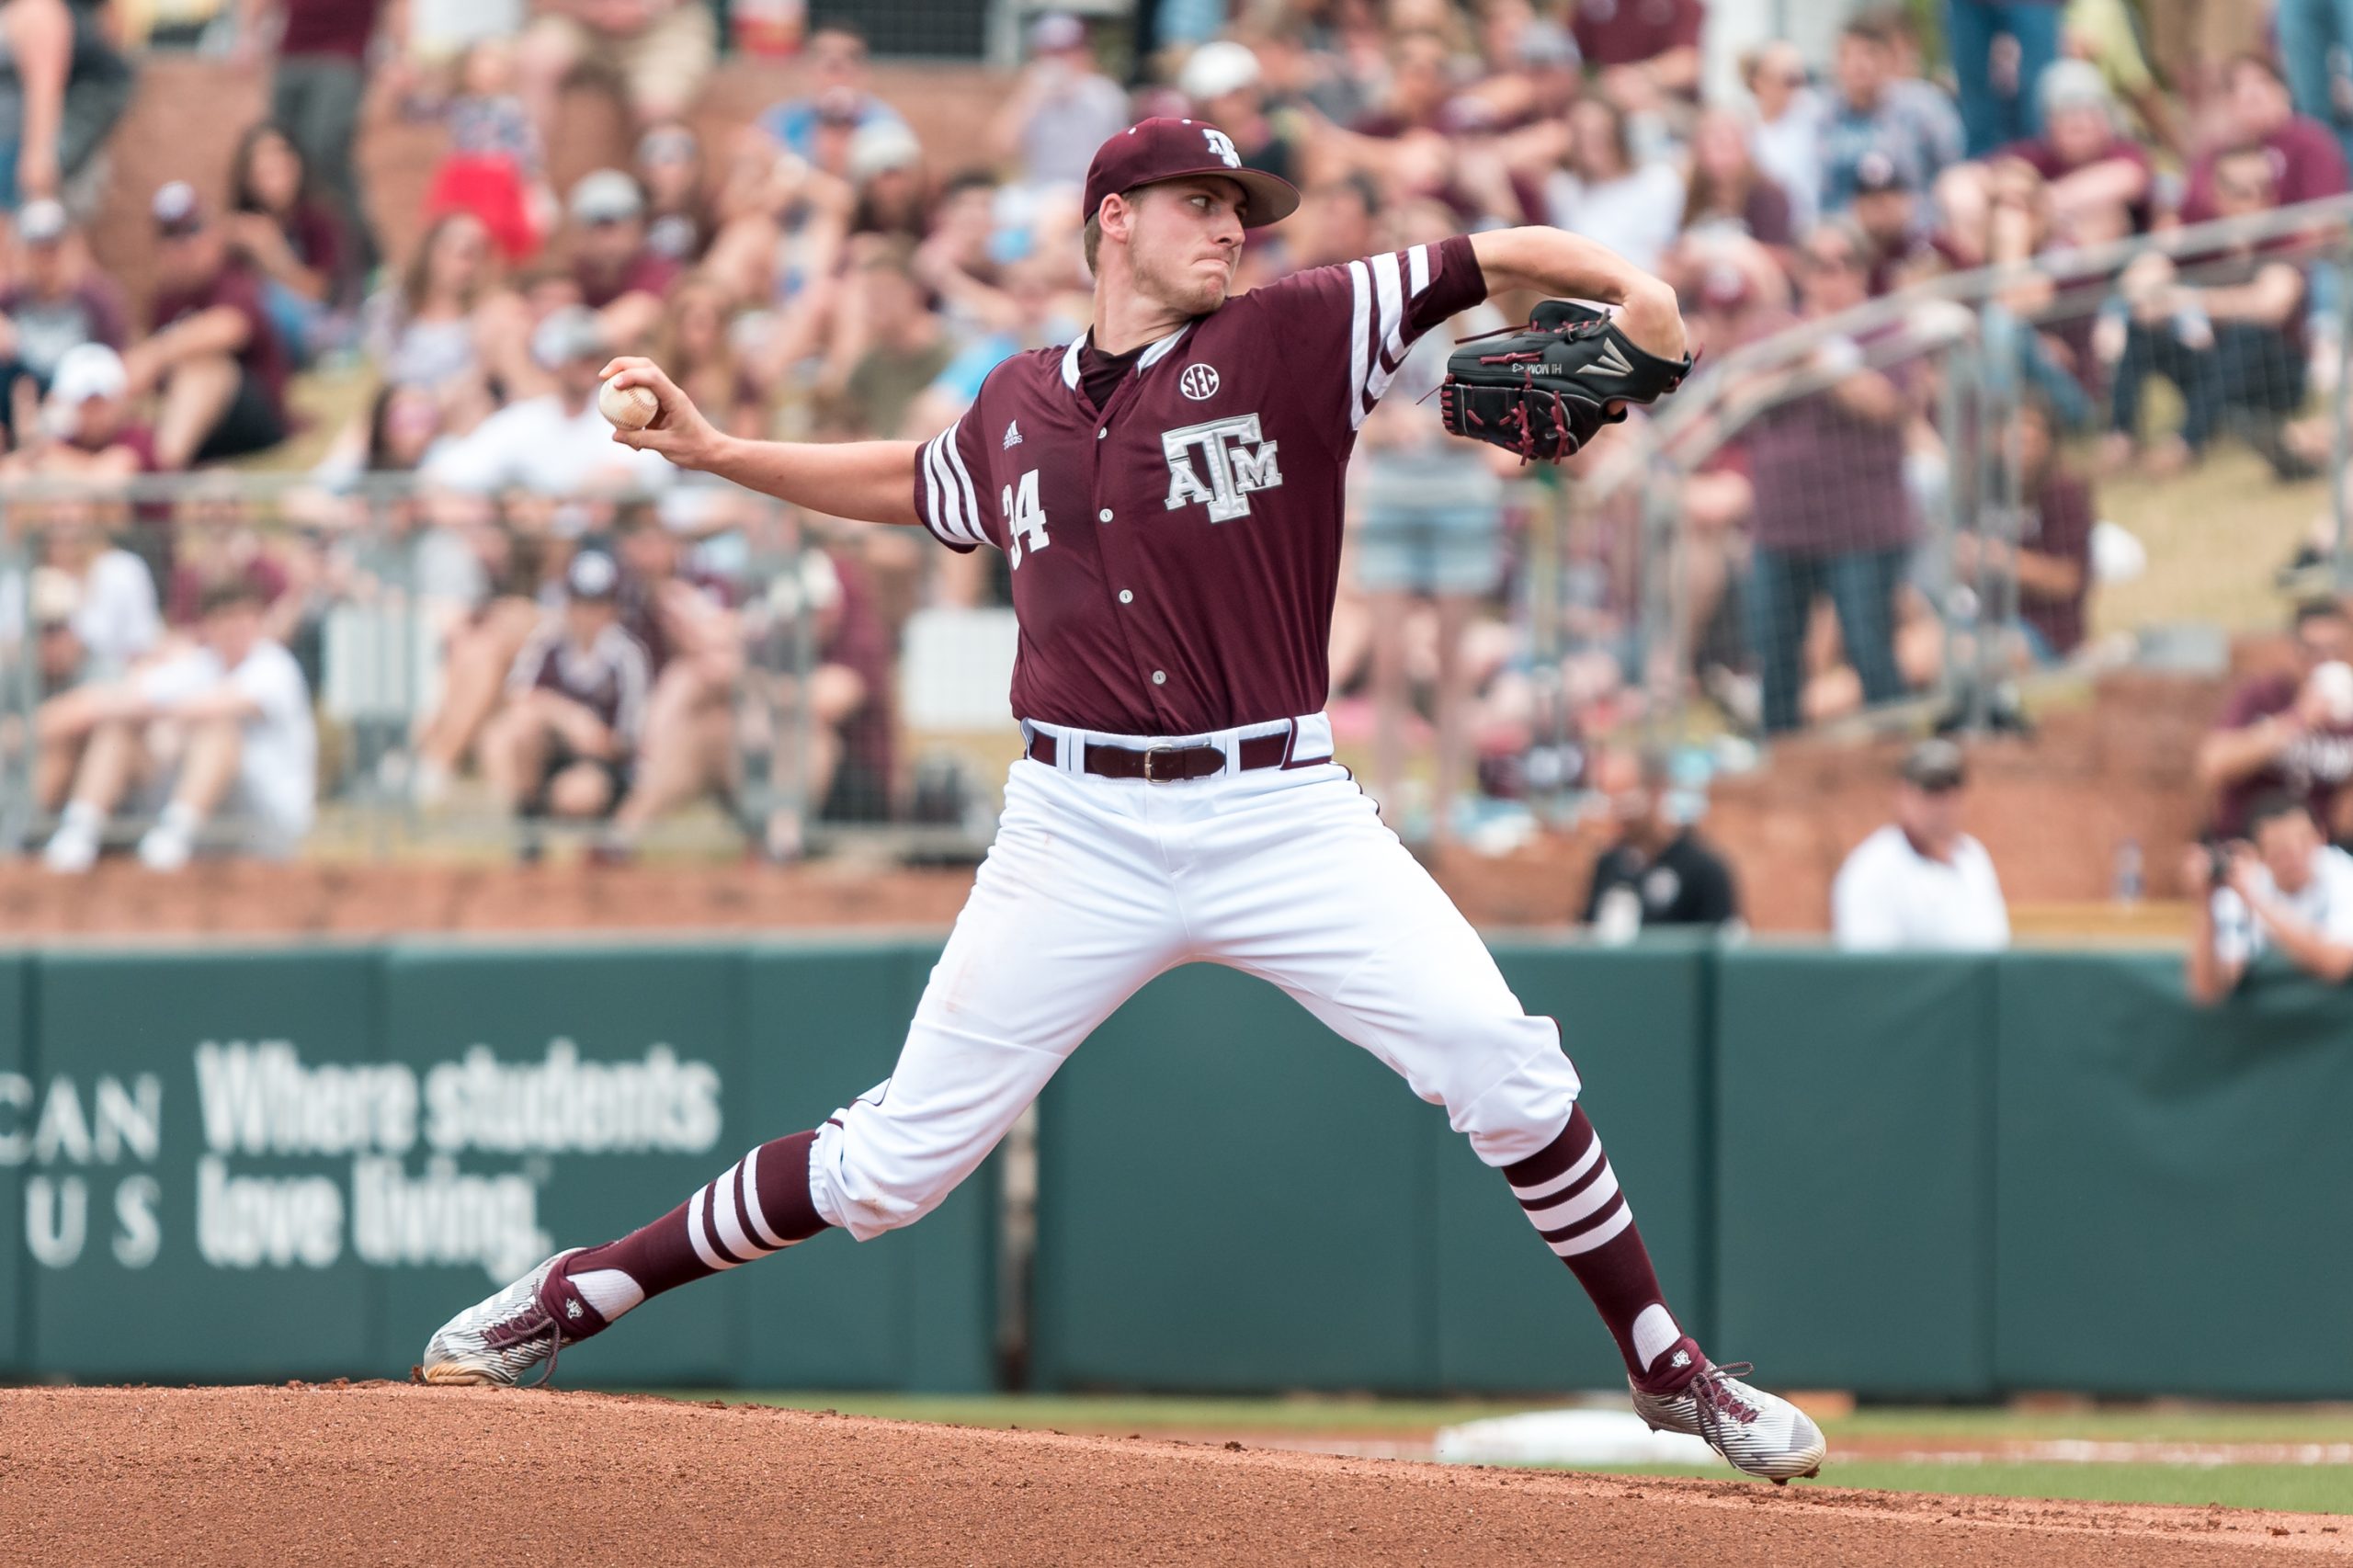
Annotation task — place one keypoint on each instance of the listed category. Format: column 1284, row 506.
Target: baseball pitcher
column 1167, row 492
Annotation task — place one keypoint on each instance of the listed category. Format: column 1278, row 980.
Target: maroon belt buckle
column 1150, row 777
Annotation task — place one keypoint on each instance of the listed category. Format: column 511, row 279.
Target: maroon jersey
column 1176, row 552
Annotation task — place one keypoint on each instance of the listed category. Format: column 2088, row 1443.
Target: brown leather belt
column 1168, row 765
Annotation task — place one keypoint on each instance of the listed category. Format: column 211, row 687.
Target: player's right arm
column 874, row 481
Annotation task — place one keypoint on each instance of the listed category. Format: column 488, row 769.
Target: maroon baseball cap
column 1151, row 150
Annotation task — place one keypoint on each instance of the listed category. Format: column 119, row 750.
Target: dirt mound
column 384, row 1473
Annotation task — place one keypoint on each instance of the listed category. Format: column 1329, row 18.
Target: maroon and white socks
column 1571, row 1196
column 759, row 1205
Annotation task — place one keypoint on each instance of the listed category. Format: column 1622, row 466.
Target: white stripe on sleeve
column 950, row 525
column 1392, row 328
column 1359, row 329
column 970, row 517
column 1417, row 271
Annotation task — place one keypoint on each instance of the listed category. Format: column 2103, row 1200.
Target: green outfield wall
column 1945, row 1177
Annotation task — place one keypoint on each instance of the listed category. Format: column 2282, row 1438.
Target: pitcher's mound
column 381, row 1473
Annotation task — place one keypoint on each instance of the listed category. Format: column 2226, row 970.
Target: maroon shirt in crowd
column 1175, row 549
column 610, row 678
column 2043, row 158
column 646, row 273
column 1826, row 480
column 2314, row 768
column 330, row 26
column 2059, row 523
column 237, row 287
column 860, row 643
column 1628, row 32
column 2309, row 158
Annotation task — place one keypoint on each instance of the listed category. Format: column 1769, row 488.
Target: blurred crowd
column 596, row 622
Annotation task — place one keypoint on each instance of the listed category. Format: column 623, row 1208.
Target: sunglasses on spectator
column 1838, row 261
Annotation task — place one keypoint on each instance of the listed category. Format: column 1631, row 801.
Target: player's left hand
column 1544, row 390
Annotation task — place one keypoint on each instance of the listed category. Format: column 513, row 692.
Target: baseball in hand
column 628, row 408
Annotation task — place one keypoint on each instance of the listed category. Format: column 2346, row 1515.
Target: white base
column 1568, row 1438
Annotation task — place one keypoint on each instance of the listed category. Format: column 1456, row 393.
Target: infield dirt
column 394, row 1474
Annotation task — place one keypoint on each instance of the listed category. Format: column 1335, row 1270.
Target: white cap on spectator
column 2072, row 84
column 87, row 370
column 565, row 334
column 592, row 575
column 1056, row 31
column 177, row 209
column 879, row 147
column 1217, row 68
column 608, row 196
column 42, row 223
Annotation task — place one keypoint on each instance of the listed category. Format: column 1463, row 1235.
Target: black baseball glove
column 1542, row 389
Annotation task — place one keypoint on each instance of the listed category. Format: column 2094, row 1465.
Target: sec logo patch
column 1199, row 382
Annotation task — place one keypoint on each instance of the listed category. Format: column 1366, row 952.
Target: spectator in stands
column 1728, row 191
column 435, row 326
column 292, row 239
column 1062, row 107
column 212, row 358
column 1881, row 109
column 2291, row 732
column 1225, row 86
column 1603, row 194
column 2051, row 561
column 844, row 776
column 225, row 728
column 1791, row 124
column 496, row 167
column 95, row 608
column 622, row 277
column 659, row 51
column 817, row 126
column 84, row 429
column 681, row 219
column 694, row 346
column 893, row 197
column 1646, row 52
column 565, row 742
column 1920, row 883
column 2000, row 50
column 62, row 88
column 1902, row 251
column 2290, row 891
column 1658, row 870
column 316, row 87
column 891, row 347
column 1832, row 514
column 2097, row 180
column 556, row 445
column 2228, row 333
column 56, row 303
column 2309, row 160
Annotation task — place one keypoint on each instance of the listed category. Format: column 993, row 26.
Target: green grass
column 2321, row 1489
column 2288, row 1488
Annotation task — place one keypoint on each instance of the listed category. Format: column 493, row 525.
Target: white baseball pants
column 1096, row 885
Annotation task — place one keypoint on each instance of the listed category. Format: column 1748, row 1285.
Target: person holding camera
column 2287, row 891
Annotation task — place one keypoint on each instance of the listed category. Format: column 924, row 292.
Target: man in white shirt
column 226, row 726
column 1920, row 883
column 557, row 445
column 2288, row 890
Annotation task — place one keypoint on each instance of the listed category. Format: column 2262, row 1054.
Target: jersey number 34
column 1025, row 520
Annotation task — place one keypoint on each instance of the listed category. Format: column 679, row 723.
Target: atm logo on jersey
column 1232, row 461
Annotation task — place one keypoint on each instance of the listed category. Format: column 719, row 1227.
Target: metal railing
column 398, row 603
column 1973, row 354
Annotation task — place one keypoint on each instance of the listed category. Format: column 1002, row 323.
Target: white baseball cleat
column 1759, row 1433
column 497, row 1340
